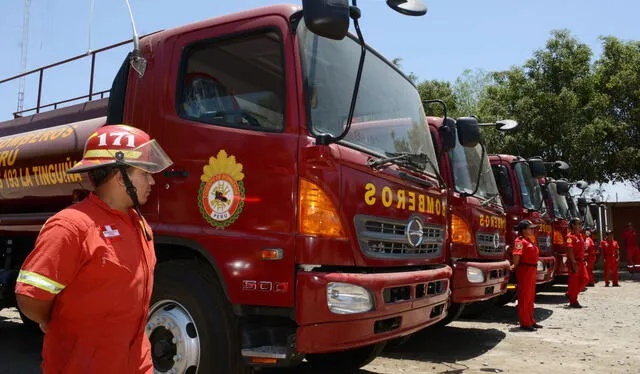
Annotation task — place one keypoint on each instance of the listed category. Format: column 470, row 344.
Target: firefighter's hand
column 573, row 267
column 512, row 267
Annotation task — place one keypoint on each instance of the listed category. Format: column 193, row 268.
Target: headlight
column 540, row 266
column 345, row 298
column 475, row 275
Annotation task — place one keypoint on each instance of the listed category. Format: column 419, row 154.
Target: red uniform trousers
column 577, row 281
column 610, row 268
column 526, row 276
column 633, row 255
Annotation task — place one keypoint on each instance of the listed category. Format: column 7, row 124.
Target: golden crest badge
column 221, row 194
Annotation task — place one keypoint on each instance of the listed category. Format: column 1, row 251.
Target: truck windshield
column 587, row 217
column 388, row 116
column 573, row 209
column 465, row 162
column 560, row 207
column 530, row 190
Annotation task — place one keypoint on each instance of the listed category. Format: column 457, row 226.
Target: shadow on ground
column 508, row 314
column 551, row 298
column 19, row 345
column 453, row 344
column 446, row 344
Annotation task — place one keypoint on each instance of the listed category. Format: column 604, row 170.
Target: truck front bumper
column 403, row 302
column 546, row 275
column 496, row 276
column 561, row 265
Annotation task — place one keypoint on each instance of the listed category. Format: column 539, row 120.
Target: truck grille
column 544, row 243
column 385, row 238
column 486, row 243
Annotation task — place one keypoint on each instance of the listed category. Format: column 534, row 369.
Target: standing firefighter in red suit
column 576, row 257
column 592, row 254
column 611, row 255
column 89, row 279
column 631, row 244
column 525, row 262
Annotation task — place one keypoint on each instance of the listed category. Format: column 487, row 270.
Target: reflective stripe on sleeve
column 39, row 281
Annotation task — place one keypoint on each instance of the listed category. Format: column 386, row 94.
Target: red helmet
column 121, row 144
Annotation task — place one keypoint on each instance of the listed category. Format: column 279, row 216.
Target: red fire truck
column 477, row 221
column 554, row 194
column 522, row 197
column 330, row 238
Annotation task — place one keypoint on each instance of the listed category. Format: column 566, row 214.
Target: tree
column 618, row 78
column 469, row 89
column 553, row 98
column 442, row 90
column 398, row 63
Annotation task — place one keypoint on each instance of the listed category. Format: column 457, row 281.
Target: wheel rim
column 175, row 342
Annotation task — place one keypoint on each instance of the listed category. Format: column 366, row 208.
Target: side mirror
column 582, row 185
column 562, row 187
column 447, row 134
column 506, row 124
column 560, row 165
column 327, row 18
column 468, row 131
column 408, row 7
column 537, row 168
column 501, row 177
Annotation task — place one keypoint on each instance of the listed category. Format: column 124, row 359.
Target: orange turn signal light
column 558, row 238
column 318, row 216
column 264, row 360
column 272, row 254
column 460, row 233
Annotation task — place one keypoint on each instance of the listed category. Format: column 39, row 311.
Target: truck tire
column 345, row 361
column 191, row 326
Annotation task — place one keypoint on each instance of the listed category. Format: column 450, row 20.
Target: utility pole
column 23, row 54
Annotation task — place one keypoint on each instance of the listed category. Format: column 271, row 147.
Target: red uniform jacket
column 578, row 244
column 610, row 250
column 630, row 239
column 97, row 266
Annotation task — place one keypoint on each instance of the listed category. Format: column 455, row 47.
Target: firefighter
column 525, row 262
column 578, row 276
column 88, row 281
column 591, row 257
column 631, row 244
column 611, row 255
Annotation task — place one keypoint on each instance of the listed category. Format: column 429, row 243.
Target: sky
column 455, row 35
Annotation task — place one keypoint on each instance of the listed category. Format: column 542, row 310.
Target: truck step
column 266, row 351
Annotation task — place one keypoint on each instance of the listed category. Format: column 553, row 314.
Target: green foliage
column 434, row 89
column 568, row 108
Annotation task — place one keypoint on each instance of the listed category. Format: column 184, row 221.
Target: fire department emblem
column 221, row 194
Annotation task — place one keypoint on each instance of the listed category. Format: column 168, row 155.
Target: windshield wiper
column 415, row 160
column 393, row 158
column 492, row 199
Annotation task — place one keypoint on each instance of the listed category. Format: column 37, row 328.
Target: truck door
column 233, row 141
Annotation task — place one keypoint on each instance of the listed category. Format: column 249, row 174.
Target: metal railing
column 90, row 96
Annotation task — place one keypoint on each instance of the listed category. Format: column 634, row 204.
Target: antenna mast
column 23, row 55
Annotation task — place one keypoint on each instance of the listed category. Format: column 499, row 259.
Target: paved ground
column 603, row 337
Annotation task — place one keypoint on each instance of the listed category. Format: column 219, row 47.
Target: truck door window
column 236, row 82
column 504, row 183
